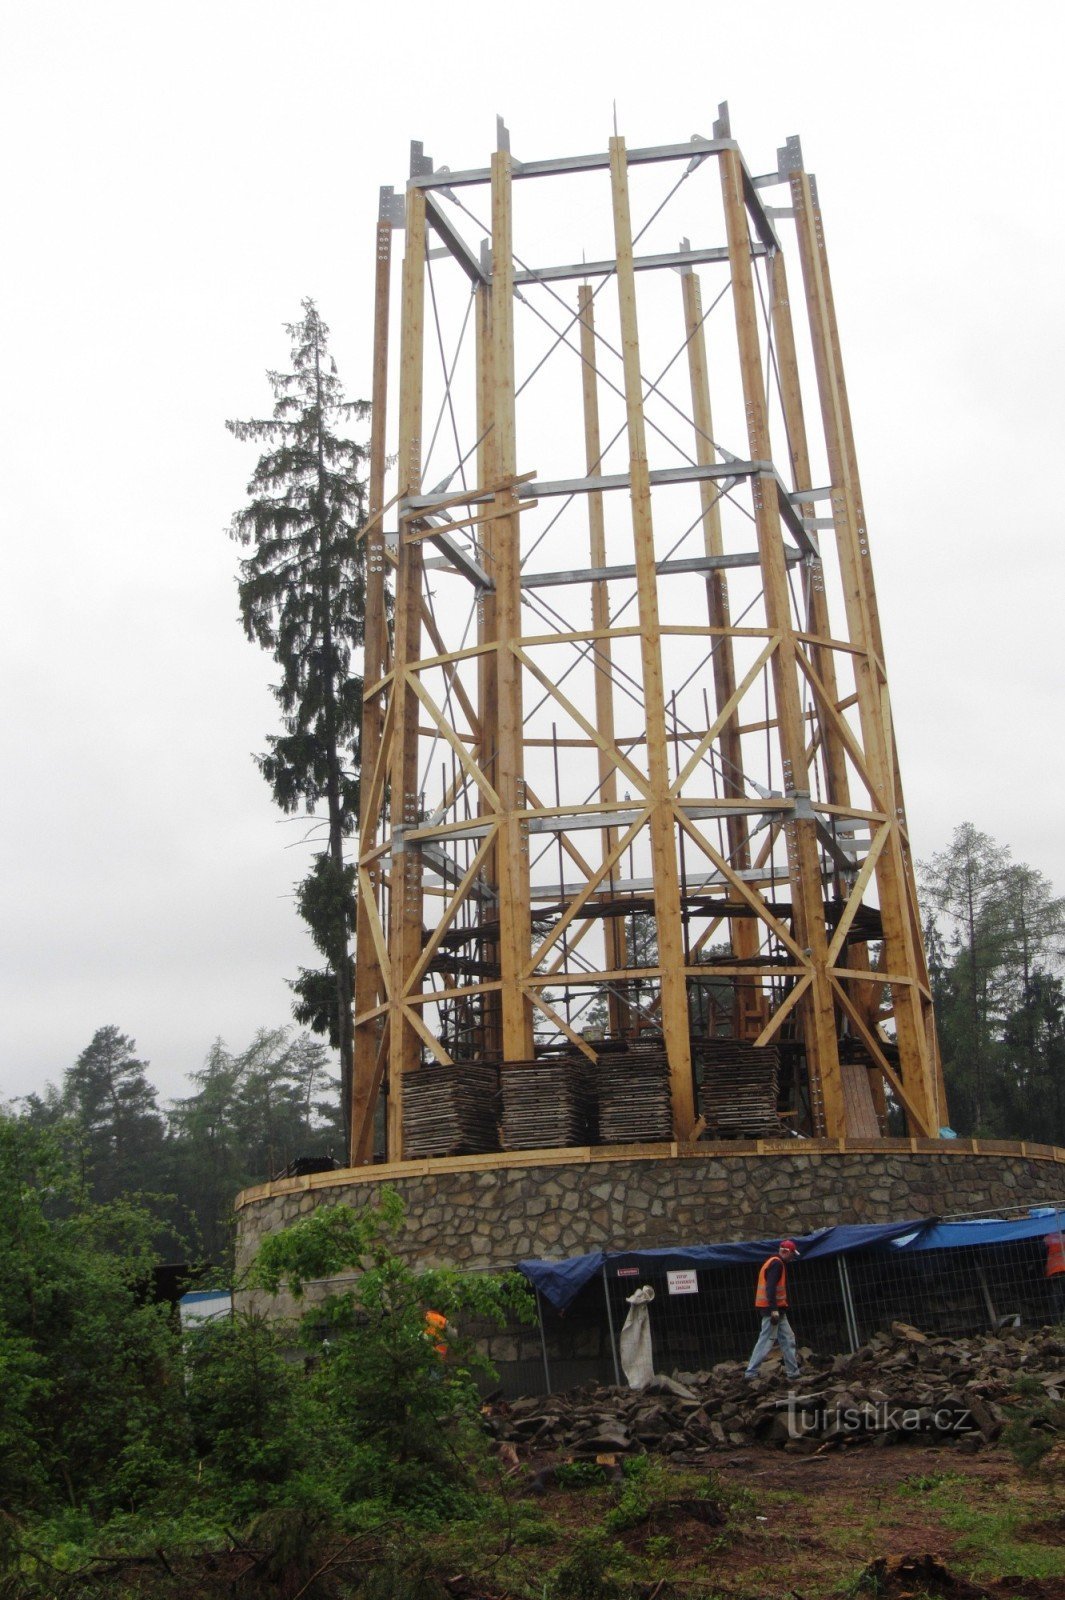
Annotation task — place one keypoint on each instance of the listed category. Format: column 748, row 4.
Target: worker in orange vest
column 1055, row 1274
column 435, row 1330
column 771, row 1299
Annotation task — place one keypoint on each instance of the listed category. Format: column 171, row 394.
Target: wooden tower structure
column 629, row 770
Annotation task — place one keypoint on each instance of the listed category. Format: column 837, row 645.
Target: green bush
column 587, row 1574
column 251, row 1423
column 403, row 1423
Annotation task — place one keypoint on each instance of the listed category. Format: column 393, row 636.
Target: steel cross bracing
column 628, row 759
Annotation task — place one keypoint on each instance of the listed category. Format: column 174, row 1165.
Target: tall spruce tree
column 302, row 597
column 114, row 1108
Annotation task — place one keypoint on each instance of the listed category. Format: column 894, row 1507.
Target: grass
column 587, row 1539
column 987, row 1528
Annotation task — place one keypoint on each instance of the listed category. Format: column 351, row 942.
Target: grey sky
column 176, row 179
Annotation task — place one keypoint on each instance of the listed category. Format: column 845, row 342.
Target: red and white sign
column 682, row 1282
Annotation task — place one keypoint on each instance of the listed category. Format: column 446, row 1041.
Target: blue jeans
column 1056, row 1286
column 781, row 1334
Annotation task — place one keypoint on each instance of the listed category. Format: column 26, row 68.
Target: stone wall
column 612, row 1199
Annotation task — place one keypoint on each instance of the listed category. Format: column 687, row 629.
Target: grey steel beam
column 791, row 517
column 456, row 244
column 661, row 476
column 592, row 269
column 461, row 559
column 563, row 164
column 451, row 872
column 763, row 224
column 553, row 580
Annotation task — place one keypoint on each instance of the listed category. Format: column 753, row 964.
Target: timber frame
column 628, row 760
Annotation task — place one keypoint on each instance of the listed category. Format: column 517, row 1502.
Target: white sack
column 637, row 1360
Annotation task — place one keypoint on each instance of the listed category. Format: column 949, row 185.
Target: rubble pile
column 900, row 1387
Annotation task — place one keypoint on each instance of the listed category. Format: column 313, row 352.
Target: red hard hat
column 789, row 1244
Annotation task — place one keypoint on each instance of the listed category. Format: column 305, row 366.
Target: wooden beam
column 904, row 950
column 602, row 652
column 515, row 924
column 451, row 911
column 662, row 825
column 371, row 965
column 804, row 868
column 405, row 920
column 448, row 733
column 742, row 935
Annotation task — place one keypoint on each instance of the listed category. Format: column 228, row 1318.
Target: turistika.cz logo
column 807, row 1416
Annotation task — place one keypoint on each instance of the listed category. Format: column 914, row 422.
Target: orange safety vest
column 761, row 1298
column 434, row 1332
column 1055, row 1254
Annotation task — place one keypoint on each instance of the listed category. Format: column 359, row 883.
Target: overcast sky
column 176, row 179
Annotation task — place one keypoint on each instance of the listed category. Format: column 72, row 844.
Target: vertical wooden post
column 902, row 940
column 368, row 984
column 864, row 995
column 515, row 931
column 491, row 1033
column 613, row 934
column 818, row 622
column 662, row 823
column 751, row 1013
column 909, row 876
column 405, row 927
column 818, row 1011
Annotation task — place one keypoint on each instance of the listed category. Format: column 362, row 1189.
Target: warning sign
column 682, row 1282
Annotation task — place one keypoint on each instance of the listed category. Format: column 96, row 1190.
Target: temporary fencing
column 961, row 1275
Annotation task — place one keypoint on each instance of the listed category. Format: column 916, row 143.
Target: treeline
column 242, row 1449
column 995, row 935
column 249, row 1115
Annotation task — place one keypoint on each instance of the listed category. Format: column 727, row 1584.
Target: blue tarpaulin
column 985, row 1230
column 561, row 1281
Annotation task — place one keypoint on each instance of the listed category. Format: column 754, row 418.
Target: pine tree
column 302, row 597
column 107, row 1095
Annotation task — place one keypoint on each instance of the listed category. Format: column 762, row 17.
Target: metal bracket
column 421, row 165
column 780, row 211
column 502, row 135
column 722, row 126
column 391, row 207
column 789, row 158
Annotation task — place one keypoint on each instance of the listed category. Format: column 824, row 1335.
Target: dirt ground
column 914, row 1521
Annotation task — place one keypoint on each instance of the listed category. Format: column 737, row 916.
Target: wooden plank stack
column 450, row 1110
column 738, row 1093
column 547, row 1103
column 633, row 1090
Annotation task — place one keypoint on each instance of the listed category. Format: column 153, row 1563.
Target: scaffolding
column 630, row 792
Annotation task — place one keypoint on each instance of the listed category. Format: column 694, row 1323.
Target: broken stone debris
column 901, row 1387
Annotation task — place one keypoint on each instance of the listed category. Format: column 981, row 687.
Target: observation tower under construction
column 633, row 863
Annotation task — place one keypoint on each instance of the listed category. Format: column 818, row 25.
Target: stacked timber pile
column 547, row 1103
column 632, row 1087
column 738, row 1092
column 450, row 1110
column 900, row 1388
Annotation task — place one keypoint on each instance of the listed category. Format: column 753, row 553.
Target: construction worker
column 771, row 1299
column 1055, row 1274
